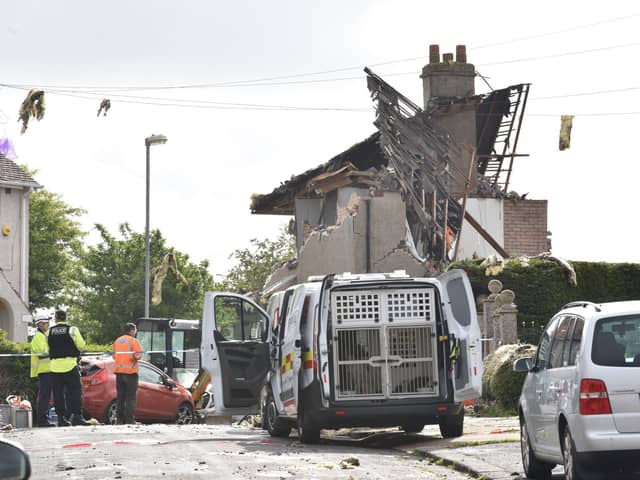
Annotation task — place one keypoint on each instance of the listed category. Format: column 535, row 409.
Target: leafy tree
column 257, row 262
column 113, row 284
column 55, row 246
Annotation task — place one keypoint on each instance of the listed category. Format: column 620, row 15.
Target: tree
column 55, row 246
column 113, row 283
column 257, row 262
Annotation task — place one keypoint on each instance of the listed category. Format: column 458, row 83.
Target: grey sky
column 202, row 179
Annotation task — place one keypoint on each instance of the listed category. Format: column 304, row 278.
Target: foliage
column 14, row 371
column 113, row 284
column 55, row 245
column 499, row 381
column 542, row 288
column 257, row 262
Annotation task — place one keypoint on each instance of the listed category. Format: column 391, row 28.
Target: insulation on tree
column 169, row 262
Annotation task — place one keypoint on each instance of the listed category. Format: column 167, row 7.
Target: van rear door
column 235, row 351
column 464, row 334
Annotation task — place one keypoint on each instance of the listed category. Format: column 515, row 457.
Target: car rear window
column 616, row 342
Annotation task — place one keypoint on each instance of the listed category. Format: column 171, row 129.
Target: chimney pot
column 434, row 54
column 461, row 53
column 447, row 57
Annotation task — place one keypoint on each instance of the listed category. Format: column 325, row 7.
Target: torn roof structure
column 457, row 145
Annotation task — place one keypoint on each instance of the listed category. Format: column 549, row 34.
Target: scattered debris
column 32, row 106
column 571, row 273
column 349, row 463
column 105, row 105
column 494, row 265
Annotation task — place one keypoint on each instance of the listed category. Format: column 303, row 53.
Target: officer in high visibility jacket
column 41, row 369
column 65, row 344
column 126, row 353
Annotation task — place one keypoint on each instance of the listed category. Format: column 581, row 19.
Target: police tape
column 97, row 354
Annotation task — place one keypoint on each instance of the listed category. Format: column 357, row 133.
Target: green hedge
column 499, row 382
column 542, row 287
column 15, row 371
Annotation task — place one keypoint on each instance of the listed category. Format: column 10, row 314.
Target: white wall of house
column 489, row 213
column 14, row 261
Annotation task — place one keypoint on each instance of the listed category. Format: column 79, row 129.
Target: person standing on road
column 41, row 369
column 126, row 353
column 65, row 344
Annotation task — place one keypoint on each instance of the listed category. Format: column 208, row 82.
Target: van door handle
column 297, row 343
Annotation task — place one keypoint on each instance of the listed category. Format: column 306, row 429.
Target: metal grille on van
column 384, row 343
column 413, row 348
column 409, row 305
column 356, row 306
column 358, row 377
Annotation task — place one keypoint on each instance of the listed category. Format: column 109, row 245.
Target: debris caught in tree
column 159, row 274
column 32, row 106
column 105, row 105
column 566, row 123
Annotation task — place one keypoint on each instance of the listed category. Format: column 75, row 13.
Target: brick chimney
column 453, row 79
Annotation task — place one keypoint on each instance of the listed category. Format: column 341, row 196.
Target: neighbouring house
column 15, row 188
column 429, row 187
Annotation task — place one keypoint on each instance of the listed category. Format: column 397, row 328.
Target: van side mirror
column 523, row 364
column 15, row 461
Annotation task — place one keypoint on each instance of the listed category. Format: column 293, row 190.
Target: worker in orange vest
column 126, row 353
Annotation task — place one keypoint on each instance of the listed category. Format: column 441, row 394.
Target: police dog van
column 375, row 350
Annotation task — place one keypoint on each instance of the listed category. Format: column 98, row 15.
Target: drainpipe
column 368, row 236
column 24, row 247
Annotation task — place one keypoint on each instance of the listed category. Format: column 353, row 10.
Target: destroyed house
column 429, row 187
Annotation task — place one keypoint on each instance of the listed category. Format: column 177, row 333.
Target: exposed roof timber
column 363, row 155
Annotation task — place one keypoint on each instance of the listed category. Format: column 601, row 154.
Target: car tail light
column 594, row 399
column 99, row 377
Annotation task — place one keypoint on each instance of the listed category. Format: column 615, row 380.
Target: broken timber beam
column 486, row 235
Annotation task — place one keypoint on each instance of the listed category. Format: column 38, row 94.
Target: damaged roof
column 12, row 175
column 363, row 156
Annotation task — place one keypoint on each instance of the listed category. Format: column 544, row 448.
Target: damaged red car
column 160, row 398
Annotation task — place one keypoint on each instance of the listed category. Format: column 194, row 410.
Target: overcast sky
column 203, row 178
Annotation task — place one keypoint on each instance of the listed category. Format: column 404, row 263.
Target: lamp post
column 149, row 141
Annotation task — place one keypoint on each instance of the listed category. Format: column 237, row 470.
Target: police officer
column 65, row 344
column 40, row 368
column 126, row 353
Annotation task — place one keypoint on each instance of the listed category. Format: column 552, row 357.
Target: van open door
column 235, row 351
column 464, row 335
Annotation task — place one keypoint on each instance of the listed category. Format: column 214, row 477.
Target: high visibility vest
column 39, row 346
column 65, row 343
column 126, row 362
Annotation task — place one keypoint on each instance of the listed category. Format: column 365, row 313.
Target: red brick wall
column 525, row 227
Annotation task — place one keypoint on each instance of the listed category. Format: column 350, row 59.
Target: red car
column 160, row 398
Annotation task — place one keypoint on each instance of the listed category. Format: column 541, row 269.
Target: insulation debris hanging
column 169, row 262
column 32, row 107
column 566, row 123
column 105, row 105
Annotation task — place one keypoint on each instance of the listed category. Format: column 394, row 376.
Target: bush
column 499, row 382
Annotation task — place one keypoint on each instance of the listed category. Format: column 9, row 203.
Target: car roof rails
column 584, row 304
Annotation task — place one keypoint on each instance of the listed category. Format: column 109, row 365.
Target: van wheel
column 533, row 468
column 451, row 426
column 276, row 426
column 413, row 427
column 308, row 431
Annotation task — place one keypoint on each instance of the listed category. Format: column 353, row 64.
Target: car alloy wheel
column 533, row 468
column 112, row 414
column 185, row 415
column 568, row 453
column 524, row 447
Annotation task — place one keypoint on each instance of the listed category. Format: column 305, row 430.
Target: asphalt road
column 216, row 451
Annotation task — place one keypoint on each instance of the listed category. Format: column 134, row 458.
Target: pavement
column 489, row 448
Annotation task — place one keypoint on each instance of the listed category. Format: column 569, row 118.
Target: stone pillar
column 488, row 309
column 507, row 311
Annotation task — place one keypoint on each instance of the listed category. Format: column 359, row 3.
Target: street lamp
column 149, row 141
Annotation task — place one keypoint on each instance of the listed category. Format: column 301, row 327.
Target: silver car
column 580, row 402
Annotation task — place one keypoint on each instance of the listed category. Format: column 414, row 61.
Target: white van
column 374, row 350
